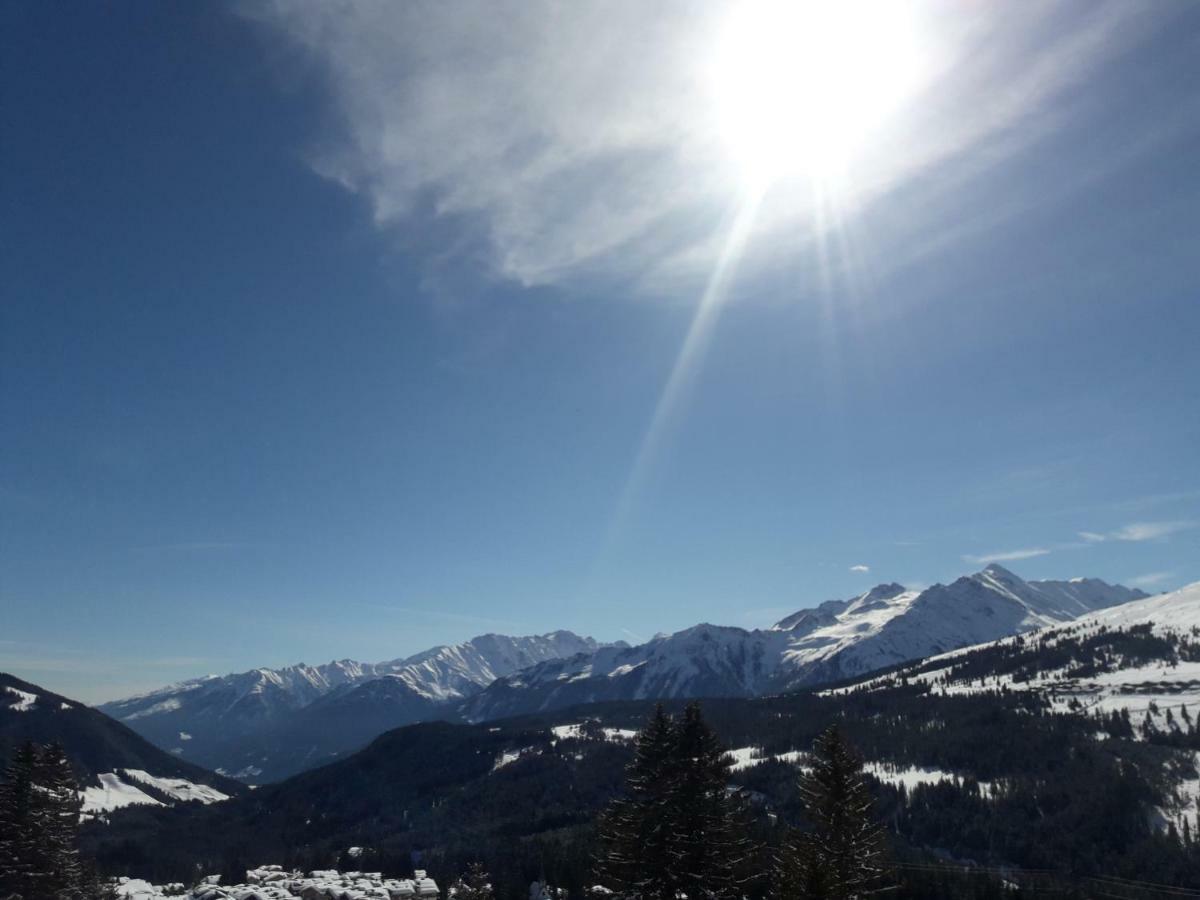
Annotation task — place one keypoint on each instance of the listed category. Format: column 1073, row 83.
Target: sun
column 802, row 87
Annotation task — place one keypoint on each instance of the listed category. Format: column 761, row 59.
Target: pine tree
column 58, row 822
column 39, row 821
column 707, row 846
column 678, row 832
column 475, row 885
column 841, row 858
column 18, row 839
column 633, row 858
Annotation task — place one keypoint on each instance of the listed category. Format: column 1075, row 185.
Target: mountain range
column 1018, row 729
column 837, row 640
column 1016, row 733
column 267, row 724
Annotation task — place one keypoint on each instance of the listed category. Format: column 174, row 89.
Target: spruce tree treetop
column 845, row 844
column 709, row 847
column 633, row 830
column 679, row 832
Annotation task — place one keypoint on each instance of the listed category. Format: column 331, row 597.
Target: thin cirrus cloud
column 860, row 568
column 1007, row 555
column 1138, row 531
column 1135, row 532
column 579, row 138
column 1151, row 579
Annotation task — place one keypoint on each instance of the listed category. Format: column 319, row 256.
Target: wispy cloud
column 1006, row 555
column 1138, row 531
column 579, row 139
column 860, row 568
column 1151, row 579
column 1135, row 532
column 1150, row 531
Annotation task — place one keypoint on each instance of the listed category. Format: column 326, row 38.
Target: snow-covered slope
column 114, row 766
column 459, row 670
column 1140, row 660
column 128, row 787
column 249, row 695
column 885, row 626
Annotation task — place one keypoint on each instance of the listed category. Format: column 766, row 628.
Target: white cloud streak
column 1138, row 532
column 1151, row 579
column 860, row 568
column 577, row 139
column 1149, row 531
column 1006, row 555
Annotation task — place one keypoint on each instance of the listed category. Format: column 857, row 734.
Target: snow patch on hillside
column 619, row 734
column 163, row 706
column 113, row 793
column 567, row 732
column 508, row 757
column 25, row 700
column 178, row 788
column 747, row 757
column 276, row 883
column 909, row 777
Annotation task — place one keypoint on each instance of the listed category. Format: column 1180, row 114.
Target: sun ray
column 691, row 352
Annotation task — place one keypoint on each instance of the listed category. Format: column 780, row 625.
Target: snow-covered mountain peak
column 457, row 670
column 836, row 640
column 1135, row 660
column 827, row 612
column 228, row 719
column 996, row 570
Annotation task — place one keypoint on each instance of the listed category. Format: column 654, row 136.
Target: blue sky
column 344, row 331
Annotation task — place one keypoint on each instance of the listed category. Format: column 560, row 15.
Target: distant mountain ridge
column 267, row 724
column 1123, row 677
column 838, row 639
column 225, row 722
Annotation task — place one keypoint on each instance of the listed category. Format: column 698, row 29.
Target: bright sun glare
column 802, row 86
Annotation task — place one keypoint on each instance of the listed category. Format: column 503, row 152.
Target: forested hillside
column 994, row 779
